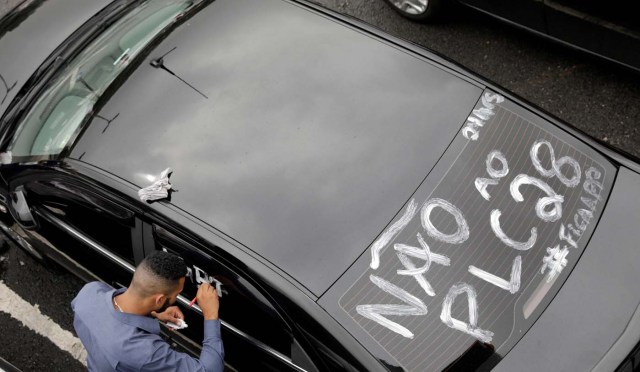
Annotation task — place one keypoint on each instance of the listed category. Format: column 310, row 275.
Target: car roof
column 311, row 136
column 35, row 38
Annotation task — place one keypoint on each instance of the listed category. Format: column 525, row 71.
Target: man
column 118, row 329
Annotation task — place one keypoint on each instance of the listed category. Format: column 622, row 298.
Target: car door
column 74, row 220
column 255, row 336
column 528, row 13
column 609, row 28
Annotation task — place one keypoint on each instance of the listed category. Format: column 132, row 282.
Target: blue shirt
column 117, row 341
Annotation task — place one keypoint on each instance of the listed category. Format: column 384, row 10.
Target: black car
column 359, row 202
column 607, row 29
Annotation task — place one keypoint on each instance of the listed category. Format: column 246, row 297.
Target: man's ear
column 159, row 299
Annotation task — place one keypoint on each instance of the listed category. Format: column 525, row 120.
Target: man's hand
column 208, row 301
column 172, row 314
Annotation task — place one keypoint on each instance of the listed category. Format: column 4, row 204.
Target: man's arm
column 211, row 358
column 212, row 355
column 208, row 301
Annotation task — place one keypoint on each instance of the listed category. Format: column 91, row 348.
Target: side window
column 94, row 216
column 82, row 226
column 242, row 306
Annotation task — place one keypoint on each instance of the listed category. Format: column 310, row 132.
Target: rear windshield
column 473, row 259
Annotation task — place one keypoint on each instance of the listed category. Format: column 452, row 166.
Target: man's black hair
column 160, row 272
column 166, row 265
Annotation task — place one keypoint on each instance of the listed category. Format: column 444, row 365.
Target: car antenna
column 159, row 63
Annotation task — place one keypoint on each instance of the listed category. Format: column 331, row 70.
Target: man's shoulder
column 95, row 288
column 98, row 286
column 91, row 291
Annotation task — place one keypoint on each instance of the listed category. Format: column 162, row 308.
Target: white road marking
column 33, row 319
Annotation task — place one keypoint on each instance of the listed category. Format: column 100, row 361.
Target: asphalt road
column 50, row 289
column 597, row 97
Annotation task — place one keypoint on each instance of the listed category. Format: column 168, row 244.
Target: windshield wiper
column 159, row 63
column 7, row 88
column 107, row 120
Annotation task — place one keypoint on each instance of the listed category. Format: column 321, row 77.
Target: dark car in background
column 608, row 29
column 399, row 214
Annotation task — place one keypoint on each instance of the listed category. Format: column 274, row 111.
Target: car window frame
column 184, row 237
column 23, row 175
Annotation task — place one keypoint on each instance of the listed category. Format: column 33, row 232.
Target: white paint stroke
column 476, row 121
column 469, row 132
column 375, row 312
column 555, row 261
column 589, row 203
column 551, row 198
column 497, row 173
column 555, row 213
column 533, row 153
column 461, row 235
column 470, row 328
column 591, row 186
column 577, row 232
column 416, row 273
column 483, row 113
column 33, row 319
column 482, row 184
column 513, row 285
column 391, row 232
column 497, row 230
column 555, row 164
column 567, row 160
column 593, row 174
column 423, row 253
column 586, row 218
column 488, row 98
column 480, row 115
column 566, row 236
column 404, row 251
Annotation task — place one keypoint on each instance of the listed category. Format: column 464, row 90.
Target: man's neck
column 130, row 304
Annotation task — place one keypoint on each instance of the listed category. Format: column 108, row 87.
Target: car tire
column 417, row 10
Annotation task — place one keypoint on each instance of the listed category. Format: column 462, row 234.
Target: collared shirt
column 117, row 341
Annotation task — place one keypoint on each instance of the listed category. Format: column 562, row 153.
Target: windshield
column 61, row 108
column 486, row 242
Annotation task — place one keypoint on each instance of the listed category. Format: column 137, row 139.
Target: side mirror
column 20, row 209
